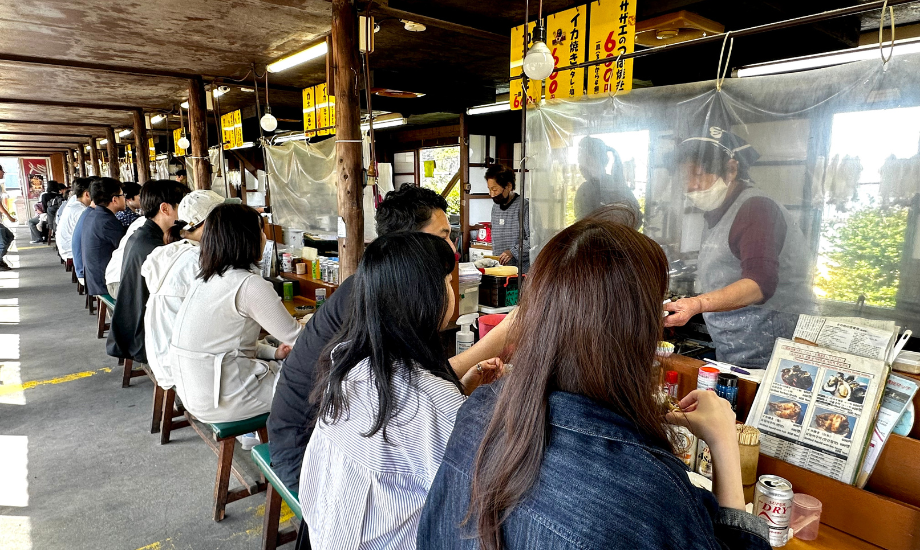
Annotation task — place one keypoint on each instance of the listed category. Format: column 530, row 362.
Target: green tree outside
column 865, row 256
column 447, row 162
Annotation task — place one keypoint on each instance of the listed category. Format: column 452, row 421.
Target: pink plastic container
column 488, row 322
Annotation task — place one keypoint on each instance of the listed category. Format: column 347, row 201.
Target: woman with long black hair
column 388, row 399
column 571, row 450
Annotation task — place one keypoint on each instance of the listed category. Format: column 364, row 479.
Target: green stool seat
column 262, row 458
column 224, row 430
column 108, row 301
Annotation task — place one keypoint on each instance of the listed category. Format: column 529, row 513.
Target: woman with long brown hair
column 571, row 450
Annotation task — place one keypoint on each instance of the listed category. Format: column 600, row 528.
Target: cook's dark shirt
column 756, row 238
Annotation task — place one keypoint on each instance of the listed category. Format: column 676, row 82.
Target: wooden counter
column 830, row 539
column 309, row 285
column 298, row 301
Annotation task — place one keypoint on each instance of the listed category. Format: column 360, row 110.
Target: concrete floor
column 78, row 466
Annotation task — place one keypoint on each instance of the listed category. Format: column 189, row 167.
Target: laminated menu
column 863, row 337
column 898, row 394
column 816, row 408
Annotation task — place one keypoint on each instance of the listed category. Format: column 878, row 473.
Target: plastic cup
column 806, row 516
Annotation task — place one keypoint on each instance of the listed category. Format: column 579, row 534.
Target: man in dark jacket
column 159, row 200
column 101, row 232
column 291, row 422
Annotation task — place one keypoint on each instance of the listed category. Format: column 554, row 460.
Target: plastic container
column 707, row 379
column 907, row 361
column 488, row 322
column 465, row 335
column 498, row 291
column 806, row 516
column 469, row 298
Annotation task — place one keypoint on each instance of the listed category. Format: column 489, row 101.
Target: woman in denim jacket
column 571, row 450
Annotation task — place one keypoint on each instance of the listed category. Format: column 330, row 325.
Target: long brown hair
column 589, row 324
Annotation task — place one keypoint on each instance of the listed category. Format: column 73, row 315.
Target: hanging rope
column 720, row 72
column 881, row 25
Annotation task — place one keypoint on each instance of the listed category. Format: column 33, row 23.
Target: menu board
column 309, row 112
column 816, row 408
column 153, row 148
column 177, row 135
column 566, row 39
column 534, row 87
column 231, row 125
column 613, row 33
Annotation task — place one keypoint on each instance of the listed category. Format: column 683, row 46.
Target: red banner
column 29, row 167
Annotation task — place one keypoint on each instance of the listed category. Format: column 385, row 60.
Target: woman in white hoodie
column 222, row 373
column 169, row 272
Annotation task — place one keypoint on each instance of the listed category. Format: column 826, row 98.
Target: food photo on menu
column 833, row 422
column 797, row 375
column 787, row 409
column 845, row 386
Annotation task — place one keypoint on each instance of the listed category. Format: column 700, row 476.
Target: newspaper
column 864, row 337
column 899, row 392
column 816, row 408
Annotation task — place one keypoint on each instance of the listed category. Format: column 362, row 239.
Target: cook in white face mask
column 707, row 191
column 711, row 198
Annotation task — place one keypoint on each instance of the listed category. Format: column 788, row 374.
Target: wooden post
column 81, row 159
column 94, row 158
column 198, row 132
column 464, row 187
column 68, row 158
column 142, row 154
column 349, row 166
column 112, row 152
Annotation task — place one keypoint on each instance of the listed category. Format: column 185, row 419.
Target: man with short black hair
column 160, row 201
column 408, row 209
column 182, row 177
column 6, row 236
column 132, row 193
column 101, row 232
column 72, row 210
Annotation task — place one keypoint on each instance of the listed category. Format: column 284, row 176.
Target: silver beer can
column 773, row 503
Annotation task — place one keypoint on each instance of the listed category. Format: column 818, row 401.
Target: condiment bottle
column 671, row 379
column 320, row 297
column 708, row 378
column 727, row 388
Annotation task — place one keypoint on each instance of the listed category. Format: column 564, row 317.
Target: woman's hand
column 282, row 352
column 485, row 372
column 505, row 257
column 682, row 311
column 712, row 419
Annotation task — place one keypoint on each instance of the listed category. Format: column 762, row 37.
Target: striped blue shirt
column 365, row 493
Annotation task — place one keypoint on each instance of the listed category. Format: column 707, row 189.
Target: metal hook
column 881, row 26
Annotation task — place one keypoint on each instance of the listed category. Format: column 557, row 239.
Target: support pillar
column 349, row 166
column 94, row 158
column 81, row 159
column 69, row 171
column 142, row 153
column 464, row 186
column 198, row 132
column 112, row 152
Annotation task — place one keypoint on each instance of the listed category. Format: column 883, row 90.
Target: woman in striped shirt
column 388, row 399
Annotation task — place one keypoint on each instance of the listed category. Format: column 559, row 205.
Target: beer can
column 685, row 443
column 773, row 502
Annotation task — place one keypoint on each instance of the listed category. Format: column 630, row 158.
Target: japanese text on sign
column 565, row 38
column 177, row 135
column 613, row 33
column 231, row 125
column 309, row 112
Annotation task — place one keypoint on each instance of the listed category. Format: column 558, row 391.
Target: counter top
column 830, row 539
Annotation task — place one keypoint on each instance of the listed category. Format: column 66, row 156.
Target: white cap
column 196, row 206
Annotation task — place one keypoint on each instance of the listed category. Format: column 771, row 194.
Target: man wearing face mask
column 753, row 262
column 506, row 215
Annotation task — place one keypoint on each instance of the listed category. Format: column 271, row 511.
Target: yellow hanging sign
column 177, row 135
column 534, row 87
column 613, row 33
column 322, row 108
column 309, row 111
column 331, row 115
column 231, row 126
column 153, row 149
column 565, row 37
column 237, row 128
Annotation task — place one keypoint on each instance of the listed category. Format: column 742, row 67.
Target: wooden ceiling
column 69, row 69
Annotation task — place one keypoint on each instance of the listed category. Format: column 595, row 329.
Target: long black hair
column 398, row 304
column 232, row 238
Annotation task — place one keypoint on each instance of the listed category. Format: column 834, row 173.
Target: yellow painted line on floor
column 13, row 388
column 156, row 545
column 33, row 247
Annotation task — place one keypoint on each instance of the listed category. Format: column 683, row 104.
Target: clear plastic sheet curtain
column 829, row 157
column 301, row 179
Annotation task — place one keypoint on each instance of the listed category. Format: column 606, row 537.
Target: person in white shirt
column 73, row 209
column 222, row 373
column 388, row 400
column 169, row 271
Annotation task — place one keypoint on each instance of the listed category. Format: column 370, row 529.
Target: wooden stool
column 68, row 267
column 104, row 303
column 222, row 441
column 277, row 492
column 165, row 417
column 90, row 302
column 130, row 373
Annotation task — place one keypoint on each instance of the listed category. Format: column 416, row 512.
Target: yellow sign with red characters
column 177, row 135
column 566, row 39
column 153, row 148
column 318, row 111
column 231, row 126
column 534, row 87
column 309, row 112
column 613, row 33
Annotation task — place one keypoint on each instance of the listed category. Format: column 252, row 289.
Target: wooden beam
column 49, row 134
column 198, row 132
column 111, row 149
column 421, row 134
column 383, row 8
column 451, row 184
column 81, row 159
column 60, row 142
column 52, row 103
column 142, row 154
column 54, row 123
column 349, row 166
column 94, row 158
column 464, row 186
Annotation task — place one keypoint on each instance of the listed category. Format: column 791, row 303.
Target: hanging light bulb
column 539, row 62
column 268, row 121
column 183, row 142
